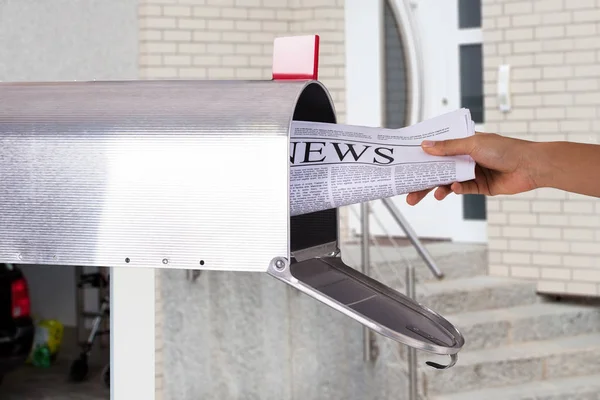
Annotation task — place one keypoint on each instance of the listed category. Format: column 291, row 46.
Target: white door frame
column 364, row 79
column 132, row 334
column 472, row 230
column 365, row 97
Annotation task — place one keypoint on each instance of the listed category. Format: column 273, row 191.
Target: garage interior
column 55, row 295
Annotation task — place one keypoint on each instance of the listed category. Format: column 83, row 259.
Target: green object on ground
column 42, row 357
column 46, row 343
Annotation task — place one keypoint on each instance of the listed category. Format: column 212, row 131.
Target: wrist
column 540, row 165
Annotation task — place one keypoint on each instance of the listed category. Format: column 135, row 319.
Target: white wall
column 68, row 39
column 65, row 40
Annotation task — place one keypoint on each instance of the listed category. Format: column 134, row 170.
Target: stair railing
column 368, row 240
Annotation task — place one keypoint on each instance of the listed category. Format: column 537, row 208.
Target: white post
column 365, row 71
column 132, row 334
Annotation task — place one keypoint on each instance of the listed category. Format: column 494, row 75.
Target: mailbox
column 190, row 175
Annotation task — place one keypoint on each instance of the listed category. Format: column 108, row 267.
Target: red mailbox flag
column 296, row 58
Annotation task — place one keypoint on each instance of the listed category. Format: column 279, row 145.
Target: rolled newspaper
column 336, row 165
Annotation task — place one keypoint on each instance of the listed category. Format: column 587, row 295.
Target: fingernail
column 427, row 143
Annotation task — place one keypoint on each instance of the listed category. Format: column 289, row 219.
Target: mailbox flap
column 373, row 304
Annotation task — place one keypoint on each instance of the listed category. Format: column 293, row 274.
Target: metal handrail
column 412, row 352
column 365, row 263
column 375, row 244
column 410, row 280
column 412, row 236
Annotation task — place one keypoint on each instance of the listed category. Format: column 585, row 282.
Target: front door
column 431, row 63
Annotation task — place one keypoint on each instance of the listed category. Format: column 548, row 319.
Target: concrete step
column 577, row 388
column 476, row 294
column 388, row 263
column 505, row 326
column 515, row 365
column 540, row 321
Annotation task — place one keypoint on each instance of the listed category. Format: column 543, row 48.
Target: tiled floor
column 30, row 383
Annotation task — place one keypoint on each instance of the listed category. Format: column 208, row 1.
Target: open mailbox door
column 189, row 175
column 316, row 268
column 373, row 304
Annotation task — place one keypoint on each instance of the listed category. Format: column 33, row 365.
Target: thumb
column 451, row 147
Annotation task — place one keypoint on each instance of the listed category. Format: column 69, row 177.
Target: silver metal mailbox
column 182, row 174
column 188, row 174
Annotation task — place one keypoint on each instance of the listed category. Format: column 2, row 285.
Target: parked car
column 16, row 325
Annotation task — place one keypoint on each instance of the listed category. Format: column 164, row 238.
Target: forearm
column 573, row 167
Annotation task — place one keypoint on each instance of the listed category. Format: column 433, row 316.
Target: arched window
column 396, row 87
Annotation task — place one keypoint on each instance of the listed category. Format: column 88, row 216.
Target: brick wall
column 233, row 39
column 553, row 47
column 325, row 18
column 218, row 39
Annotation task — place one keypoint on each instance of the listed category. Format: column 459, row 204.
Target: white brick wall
column 553, row 47
column 326, row 18
column 233, row 39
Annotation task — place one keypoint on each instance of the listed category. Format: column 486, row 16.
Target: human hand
column 503, row 166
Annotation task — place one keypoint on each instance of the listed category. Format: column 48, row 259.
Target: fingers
column 468, row 187
column 415, row 197
column 451, row 147
column 442, row 192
